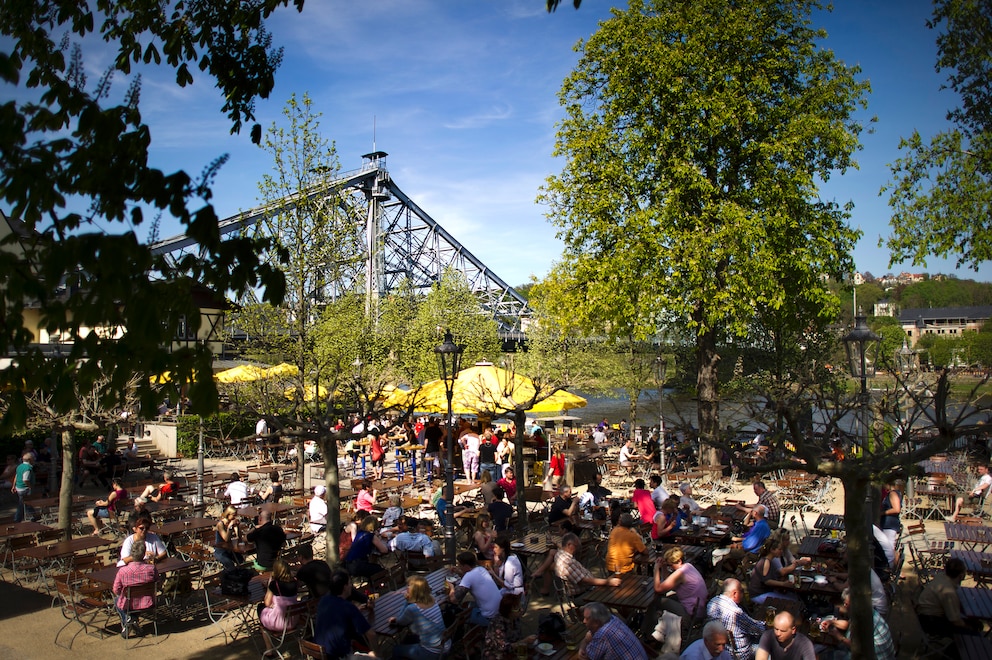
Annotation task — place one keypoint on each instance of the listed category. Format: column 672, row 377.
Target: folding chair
column 133, row 593
column 312, row 650
column 297, row 622
column 81, row 610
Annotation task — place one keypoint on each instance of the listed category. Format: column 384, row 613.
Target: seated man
column 268, row 539
column 136, row 572
column 167, row 490
column 726, row 609
column 318, row 510
column 713, row 645
column 755, row 537
column 783, row 642
column 407, row 539
column 500, row 511
column 685, row 501
column 767, row 499
column 237, row 490
column 577, row 577
column 477, row 581
column 629, row 455
column 563, row 506
column 315, row 573
column 840, row 631
column 626, row 548
column 939, row 607
column 340, row 627
column 608, row 638
column 154, row 547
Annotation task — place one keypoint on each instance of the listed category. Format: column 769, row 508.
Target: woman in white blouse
column 506, row 568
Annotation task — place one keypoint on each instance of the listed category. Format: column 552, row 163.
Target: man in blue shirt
column 411, row 540
column 751, row 542
column 339, row 623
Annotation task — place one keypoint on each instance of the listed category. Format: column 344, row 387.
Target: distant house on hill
column 885, row 307
column 950, row 321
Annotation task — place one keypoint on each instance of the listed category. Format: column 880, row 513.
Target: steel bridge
column 401, row 244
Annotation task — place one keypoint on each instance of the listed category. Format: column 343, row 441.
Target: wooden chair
column 296, row 623
column 312, row 650
column 150, row 613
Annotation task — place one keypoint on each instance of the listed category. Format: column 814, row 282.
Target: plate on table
column 516, row 544
column 545, row 649
column 805, row 579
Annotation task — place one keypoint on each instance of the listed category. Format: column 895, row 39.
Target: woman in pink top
column 365, row 500
column 685, row 580
column 642, row 498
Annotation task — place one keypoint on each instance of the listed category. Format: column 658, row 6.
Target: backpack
column 234, row 581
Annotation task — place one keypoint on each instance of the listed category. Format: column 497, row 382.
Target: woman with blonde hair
column 423, row 616
column 227, row 530
column 394, row 512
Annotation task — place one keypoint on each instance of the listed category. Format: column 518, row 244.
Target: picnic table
column 810, row 546
column 274, row 508
column 166, row 530
column 22, row 528
column 976, row 602
column 48, row 502
column 973, row 647
column 979, row 564
column 970, row 536
column 108, row 574
column 831, row 521
column 66, row 548
column 390, row 604
column 635, row 593
column 694, row 535
column 723, row 511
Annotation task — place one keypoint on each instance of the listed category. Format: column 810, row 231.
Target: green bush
column 222, row 425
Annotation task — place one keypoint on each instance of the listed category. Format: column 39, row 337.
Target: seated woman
column 108, row 507
column 365, row 500
column 765, row 577
column 367, row 540
column 227, row 530
column 394, row 512
column 506, row 568
column 423, row 616
column 503, row 633
column 167, row 490
column 484, row 537
column 280, row 592
column 272, row 492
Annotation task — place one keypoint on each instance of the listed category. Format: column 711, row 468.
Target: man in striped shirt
column 744, row 631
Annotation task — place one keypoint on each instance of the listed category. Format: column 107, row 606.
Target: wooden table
column 698, row 536
column 22, row 529
column 810, row 547
column 395, row 484
column 185, row 525
column 391, row 604
column 48, row 502
column 831, row 521
column 109, row 574
column 724, row 511
column 976, row 563
column 970, row 536
column 636, row 592
column 976, row 602
column 973, row 647
column 66, row 548
column 274, row 508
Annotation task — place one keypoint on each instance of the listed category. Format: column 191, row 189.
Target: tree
column 941, row 189
column 694, row 136
column 73, row 162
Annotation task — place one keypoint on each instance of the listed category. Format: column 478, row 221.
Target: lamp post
column 856, row 343
column 449, row 355
column 661, row 370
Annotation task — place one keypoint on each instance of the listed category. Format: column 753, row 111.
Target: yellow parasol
column 484, row 388
column 244, row 373
column 282, row 370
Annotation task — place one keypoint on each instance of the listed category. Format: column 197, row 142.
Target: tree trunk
column 68, row 479
column 632, row 397
column 520, row 420
column 329, row 450
column 301, row 461
column 859, row 561
column 707, row 392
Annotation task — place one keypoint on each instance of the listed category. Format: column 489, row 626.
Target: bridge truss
column 400, row 243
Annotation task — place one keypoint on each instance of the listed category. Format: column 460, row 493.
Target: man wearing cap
column 626, row 548
column 318, row 510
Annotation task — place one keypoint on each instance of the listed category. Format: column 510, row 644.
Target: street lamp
column 856, row 344
column 661, row 370
column 449, row 355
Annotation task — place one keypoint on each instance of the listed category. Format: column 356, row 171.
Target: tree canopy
column 941, row 189
column 694, row 138
column 76, row 179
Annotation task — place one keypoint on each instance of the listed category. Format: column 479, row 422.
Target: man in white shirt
column 154, row 547
column 237, row 490
column 977, row 494
column 628, row 455
column 686, row 499
column 477, row 581
column 318, row 510
column 599, row 437
column 658, row 492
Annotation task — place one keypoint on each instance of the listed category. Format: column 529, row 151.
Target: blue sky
column 464, row 96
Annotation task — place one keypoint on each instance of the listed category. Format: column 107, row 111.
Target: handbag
column 234, row 581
